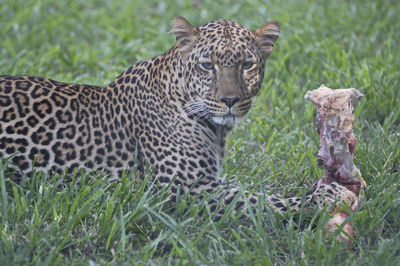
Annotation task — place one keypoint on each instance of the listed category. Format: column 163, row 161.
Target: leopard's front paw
column 333, row 194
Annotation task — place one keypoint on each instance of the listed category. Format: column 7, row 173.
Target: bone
column 334, row 122
column 337, row 222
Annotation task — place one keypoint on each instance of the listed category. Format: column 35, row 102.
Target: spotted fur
column 170, row 114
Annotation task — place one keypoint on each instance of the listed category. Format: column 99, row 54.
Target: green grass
column 338, row 43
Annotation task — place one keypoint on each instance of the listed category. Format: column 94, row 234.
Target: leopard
column 170, row 115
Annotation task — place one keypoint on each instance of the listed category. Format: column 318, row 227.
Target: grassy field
column 338, row 43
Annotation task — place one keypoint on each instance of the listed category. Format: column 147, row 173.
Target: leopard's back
column 55, row 125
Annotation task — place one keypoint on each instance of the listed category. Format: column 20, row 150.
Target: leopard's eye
column 247, row 65
column 207, row 66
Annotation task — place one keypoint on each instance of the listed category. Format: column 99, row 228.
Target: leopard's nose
column 229, row 101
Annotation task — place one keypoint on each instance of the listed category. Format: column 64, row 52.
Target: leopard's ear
column 185, row 34
column 266, row 36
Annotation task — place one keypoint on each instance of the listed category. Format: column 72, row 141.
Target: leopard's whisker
column 192, row 107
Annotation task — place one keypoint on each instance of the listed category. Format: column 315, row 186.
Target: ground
column 338, row 43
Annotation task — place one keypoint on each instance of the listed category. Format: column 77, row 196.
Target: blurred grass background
column 337, row 43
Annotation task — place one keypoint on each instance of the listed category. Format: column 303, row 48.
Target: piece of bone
column 334, row 122
column 335, row 223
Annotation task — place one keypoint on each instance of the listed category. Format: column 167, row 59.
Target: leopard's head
column 222, row 63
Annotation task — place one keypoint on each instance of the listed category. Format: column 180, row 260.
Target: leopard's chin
column 227, row 120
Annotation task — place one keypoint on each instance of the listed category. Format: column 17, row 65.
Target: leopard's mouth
column 228, row 116
column 217, row 112
column 237, row 110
